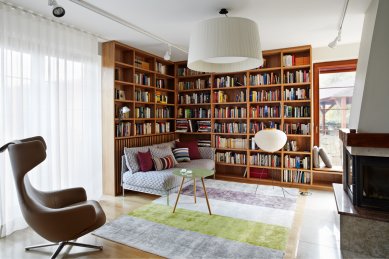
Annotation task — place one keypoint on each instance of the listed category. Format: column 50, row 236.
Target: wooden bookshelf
column 262, row 109
column 140, row 81
column 145, row 84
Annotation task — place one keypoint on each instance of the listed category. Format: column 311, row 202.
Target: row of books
column 160, row 83
column 183, row 71
column 290, row 145
column 265, row 112
column 162, row 127
column 163, row 112
column 257, row 126
column 231, row 112
column 230, row 158
column 120, row 94
column 297, row 162
column 297, row 94
column 142, row 96
column 229, row 81
column 160, row 68
column 142, row 79
column 223, row 97
column 202, row 126
column 194, row 113
column 265, row 160
column 221, row 142
column 194, row 98
column 182, row 125
column 204, row 143
column 297, row 111
column 297, row 128
column 265, row 79
column 264, row 96
column 123, row 129
column 230, row 127
column 293, row 60
column 143, row 128
column 299, row 76
column 292, row 176
column 196, row 84
column 143, row 112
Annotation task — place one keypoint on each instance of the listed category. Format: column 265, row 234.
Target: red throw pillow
column 194, row 152
column 145, row 161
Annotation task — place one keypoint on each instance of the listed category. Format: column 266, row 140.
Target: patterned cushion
column 162, row 152
column 207, row 152
column 145, row 161
column 194, row 152
column 131, row 157
column 181, row 154
column 163, row 163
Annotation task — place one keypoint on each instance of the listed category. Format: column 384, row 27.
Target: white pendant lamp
column 225, row 44
column 270, row 140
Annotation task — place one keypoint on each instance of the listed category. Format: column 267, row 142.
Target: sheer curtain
column 49, row 86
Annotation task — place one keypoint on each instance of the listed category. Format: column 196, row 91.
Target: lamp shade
column 270, row 140
column 225, row 44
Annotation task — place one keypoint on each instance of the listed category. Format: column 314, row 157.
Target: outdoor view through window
column 335, row 93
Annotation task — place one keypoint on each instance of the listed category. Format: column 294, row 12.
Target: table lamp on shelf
column 124, row 110
column 270, row 140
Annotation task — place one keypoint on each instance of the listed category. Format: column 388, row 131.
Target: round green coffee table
column 196, row 173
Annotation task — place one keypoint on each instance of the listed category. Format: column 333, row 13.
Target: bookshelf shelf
column 229, row 88
column 228, row 164
column 231, row 103
column 297, row 152
column 232, row 149
column 230, row 119
column 297, row 67
column 194, row 104
column 264, row 86
column 195, row 90
column 260, row 70
column 297, row 84
column 297, row 101
column 145, row 86
column 123, row 65
column 123, row 101
column 119, row 82
column 194, row 76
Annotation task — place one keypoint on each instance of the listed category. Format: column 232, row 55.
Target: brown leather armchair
column 58, row 216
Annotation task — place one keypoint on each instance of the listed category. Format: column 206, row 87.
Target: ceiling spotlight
column 58, row 11
column 168, row 53
column 337, row 39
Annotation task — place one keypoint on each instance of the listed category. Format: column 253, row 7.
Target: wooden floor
column 305, row 240
column 13, row 245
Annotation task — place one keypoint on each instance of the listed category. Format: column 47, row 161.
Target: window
column 333, row 87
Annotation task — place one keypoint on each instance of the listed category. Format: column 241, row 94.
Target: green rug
column 254, row 233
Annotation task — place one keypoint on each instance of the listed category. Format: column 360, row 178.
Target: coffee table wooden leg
column 206, row 196
column 178, row 196
column 194, row 189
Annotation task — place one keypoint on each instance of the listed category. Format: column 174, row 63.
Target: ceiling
column 282, row 23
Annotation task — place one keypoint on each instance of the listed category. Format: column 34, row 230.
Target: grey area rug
column 172, row 242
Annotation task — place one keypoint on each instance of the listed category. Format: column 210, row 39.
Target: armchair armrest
column 65, row 197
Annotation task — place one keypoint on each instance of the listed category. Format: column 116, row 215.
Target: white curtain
column 49, row 86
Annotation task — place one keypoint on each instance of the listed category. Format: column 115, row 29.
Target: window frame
column 349, row 65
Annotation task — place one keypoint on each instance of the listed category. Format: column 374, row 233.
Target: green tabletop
column 196, row 172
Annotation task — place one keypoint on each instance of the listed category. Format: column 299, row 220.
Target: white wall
column 341, row 52
column 370, row 110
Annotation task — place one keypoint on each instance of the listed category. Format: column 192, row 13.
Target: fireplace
column 366, row 170
column 366, row 180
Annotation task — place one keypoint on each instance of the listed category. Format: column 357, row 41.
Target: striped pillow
column 163, row 163
column 181, row 154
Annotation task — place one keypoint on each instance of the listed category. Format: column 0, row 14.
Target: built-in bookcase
column 144, row 83
column 276, row 95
